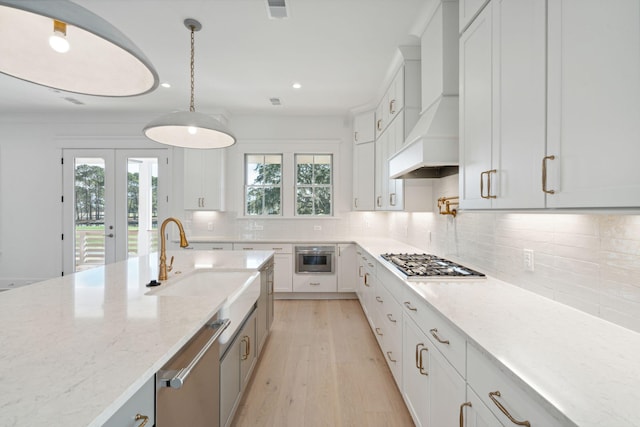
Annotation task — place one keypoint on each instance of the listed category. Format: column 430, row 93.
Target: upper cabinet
column 502, row 106
column 550, row 105
column 204, row 179
column 593, row 131
column 363, row 127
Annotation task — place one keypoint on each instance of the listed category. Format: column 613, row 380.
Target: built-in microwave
column 315, row 259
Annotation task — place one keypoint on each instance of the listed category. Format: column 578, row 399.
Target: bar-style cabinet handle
column 389, row 353
column 143, row 418
column 421, row 367
column 409, row 306
column 462, row 412
column 544, row 174
column 420, row 344
column 434, row 333
column 492, row 396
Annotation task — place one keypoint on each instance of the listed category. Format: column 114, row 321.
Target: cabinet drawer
column 369, row 262
column 142, row 402
column 394, row 285
column 442, row 334
column 485, row 377
column 285, row 248
column 314, row 283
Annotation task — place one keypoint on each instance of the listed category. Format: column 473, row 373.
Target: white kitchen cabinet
column 139, row 407
column 474, row 413
column 594, row 103
column 315, row 283
column 347, row 274
column 283, row 262
column 364, row 127
column 364, row 176
column 468, row 10
column 433, row 390
column 502, row 106
column 389, row 192
column 264, row 309
column 211, row 246
column 502, row 395
column 204, row 179
column 369, row 284
column 389, row 325
column 236, row 365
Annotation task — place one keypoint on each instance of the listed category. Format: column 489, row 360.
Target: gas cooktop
column 430, row 267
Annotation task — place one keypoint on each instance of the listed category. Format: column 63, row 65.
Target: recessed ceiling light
column 296, row 85
column 165, row 84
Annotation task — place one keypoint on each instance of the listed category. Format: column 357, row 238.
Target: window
column 314, row 184
column 263, row 188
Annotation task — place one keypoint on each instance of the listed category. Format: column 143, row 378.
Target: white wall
column 31, row 183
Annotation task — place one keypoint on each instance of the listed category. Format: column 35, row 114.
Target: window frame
column 246, row 186
column 313, row 186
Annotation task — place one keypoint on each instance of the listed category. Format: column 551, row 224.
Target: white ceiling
column 339, row 50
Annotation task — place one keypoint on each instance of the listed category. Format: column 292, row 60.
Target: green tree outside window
column 314, row 184
column 263, row 189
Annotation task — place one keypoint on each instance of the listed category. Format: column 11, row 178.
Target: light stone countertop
column 74, row 349
column 586, row 368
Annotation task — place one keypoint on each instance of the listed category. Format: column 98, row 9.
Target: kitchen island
column 74, row 349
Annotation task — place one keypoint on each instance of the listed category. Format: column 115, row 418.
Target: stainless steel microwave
column 315, row 259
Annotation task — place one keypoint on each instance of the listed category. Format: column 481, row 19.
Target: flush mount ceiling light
column 190, row 129
column 58, row 44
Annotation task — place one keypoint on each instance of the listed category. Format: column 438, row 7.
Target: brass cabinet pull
column 355, row 136
column 392, row 199
column 421, row 367
column 482, row 185
column 544, row 174
column 366, row 279
column 408, row 305
column 434, row 332
column 378, row 332
column 245, row 353
column 248, row 347
column 391, row 318
column 379, row 201
column 360, row 271
column 392, row 106
column 389, row 353
column 420, row 344
column 355, row 202
column 314, row 283
column 492, row 396
column 462, row 412
column 379, row 124
column 488, row 196
column 143, row 418
column 379, row 299
column 370, row 265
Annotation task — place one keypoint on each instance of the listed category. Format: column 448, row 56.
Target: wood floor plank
column 321, row 366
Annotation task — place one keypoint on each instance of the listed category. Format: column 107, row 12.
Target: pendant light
column 190, row 129
column 58, row 44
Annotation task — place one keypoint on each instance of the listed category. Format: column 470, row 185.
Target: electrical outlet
column 528, row 259
column 317, row 227
column 210, row 226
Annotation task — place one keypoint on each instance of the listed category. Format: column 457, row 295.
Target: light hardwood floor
column 321, row 366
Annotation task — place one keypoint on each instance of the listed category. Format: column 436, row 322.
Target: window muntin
column 314, row 184
column 263, row 184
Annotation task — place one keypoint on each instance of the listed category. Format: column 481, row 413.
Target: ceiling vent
column 277, row 9
column 275, row 101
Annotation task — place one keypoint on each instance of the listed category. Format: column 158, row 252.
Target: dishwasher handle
column 176, row 378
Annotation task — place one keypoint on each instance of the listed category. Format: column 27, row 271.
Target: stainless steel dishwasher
column 187, row 389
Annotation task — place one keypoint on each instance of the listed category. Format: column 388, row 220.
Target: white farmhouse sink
column 240, row 288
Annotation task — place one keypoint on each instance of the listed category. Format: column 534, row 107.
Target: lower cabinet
column 140, row 407
column 474, row 413
column 236, row 364
column 283, row 262
column 314, row 283
column 389, row 323
column 347, row 259
column 264, row 311
column 432, row 389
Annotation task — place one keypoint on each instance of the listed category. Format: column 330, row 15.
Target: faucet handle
column 170, row 267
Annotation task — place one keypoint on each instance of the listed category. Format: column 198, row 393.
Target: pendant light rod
column 194, row 26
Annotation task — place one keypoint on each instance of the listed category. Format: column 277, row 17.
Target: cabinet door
column 519, row 102
column 283, row 273
column 475, row 111
column 203, row 179
column 381, row 172
column 415, row 386
column 395, row 96
column 446, row 390
column 394, row 141
column 347, row 274
column 229, row 381
column 364, row 176
column 594, row 103
column 248, row 349
column 363, row 127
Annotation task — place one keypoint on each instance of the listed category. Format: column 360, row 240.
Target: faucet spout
column 162, row 274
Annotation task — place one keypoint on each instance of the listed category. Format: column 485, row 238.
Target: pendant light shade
column 91, row 56
column 190, row 129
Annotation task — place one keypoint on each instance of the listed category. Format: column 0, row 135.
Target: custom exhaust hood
column 431, row 148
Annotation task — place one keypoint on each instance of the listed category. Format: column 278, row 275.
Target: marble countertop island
column 74, row 349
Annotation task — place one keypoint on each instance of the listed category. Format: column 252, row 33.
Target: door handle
column 109, row 235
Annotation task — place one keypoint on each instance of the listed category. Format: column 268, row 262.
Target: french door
column 111, row 204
